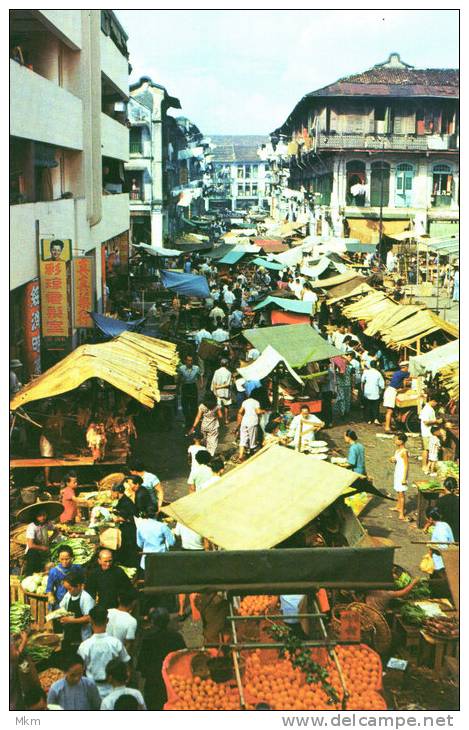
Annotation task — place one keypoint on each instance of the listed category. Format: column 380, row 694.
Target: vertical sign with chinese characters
column 54, row 299
column 32, row 328
column 83, row 291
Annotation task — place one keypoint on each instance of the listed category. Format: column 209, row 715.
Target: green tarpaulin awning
column 219, row 251
column 288, row 305
column 232, row 257
column 299, row 344
column 273, row 265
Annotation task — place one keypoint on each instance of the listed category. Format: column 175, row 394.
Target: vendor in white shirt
column 303, row 429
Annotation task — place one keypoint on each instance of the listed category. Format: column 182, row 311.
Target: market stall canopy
column 288, row 305
column 340, row 290
column 290, row 257
column 113, row 327
column 355, row 290
column 415, row 328
column 355, row 246
column 335, row 280
column 449, row 379
column 232, row 257
column 264, row 516
column 129, row 363
column 264, row 364
column 189, row 285
column 271, row 245
column 299, row 344
column 219, row 251
column 443, row 246
column 272, row 265
column 433, row 361
column 157, row 250
column 314, row 271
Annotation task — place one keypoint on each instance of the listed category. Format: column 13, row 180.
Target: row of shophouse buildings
column 97, row 164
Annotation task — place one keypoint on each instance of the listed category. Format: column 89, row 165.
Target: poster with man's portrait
column 56, row 249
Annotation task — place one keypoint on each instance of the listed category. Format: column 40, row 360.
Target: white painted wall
column 65, row 23
column 115, row 218
column 114, row 65
column 114, row 138
column 42, row 111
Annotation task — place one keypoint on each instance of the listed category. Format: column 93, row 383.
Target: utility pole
column 380, row 242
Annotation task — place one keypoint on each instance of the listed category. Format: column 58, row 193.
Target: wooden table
column 443, row 647
column 426, row 499
column 61, row 461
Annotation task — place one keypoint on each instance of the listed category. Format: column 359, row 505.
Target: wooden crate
column 39, row 609
column 16, row 592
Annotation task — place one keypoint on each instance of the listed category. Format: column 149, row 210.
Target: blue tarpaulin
column 190, row 285
column 114, row 327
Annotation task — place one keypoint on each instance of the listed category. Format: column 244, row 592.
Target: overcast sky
column 242, row 71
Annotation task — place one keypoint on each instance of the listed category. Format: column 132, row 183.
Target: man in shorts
column 390, row 394
column 221, row 388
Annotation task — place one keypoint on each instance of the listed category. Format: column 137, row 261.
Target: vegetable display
column 58, row 613
column 35, row 583
column 48, row 677
column 20, row 617
column 431, row 486
column 38, row 652
column 413, row 615
column 82, row 550
column 448, row 469
column 421, row 590
column 445, row 627
column 130, row 572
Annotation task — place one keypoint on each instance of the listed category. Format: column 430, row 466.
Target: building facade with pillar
column 69, row 140
column 378, row 149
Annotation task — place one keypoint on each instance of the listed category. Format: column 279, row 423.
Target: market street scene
column 234, row 362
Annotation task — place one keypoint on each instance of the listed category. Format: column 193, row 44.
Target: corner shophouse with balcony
column 385, row 139
column 69, row 140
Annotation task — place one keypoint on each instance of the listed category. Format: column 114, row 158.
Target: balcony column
column 392, row 186
column 338, row 183
column 368, row 183
column 454, row 201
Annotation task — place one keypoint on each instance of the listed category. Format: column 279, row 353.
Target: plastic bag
column 426, row 564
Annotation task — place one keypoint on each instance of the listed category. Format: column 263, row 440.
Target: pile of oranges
column 195, row 693
column 283, row 687
column 256, row 605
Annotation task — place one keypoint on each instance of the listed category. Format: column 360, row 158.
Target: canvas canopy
column 288, row 305
column 157, row 250
column 314, row 271
column 265, row 363
column 114, row 327
column 190, row 285
column 264, row 517
column 433, row 361
column 348, row 293
column 219, row 251
column 334, row 280
column 299, row 344
column 232, row 257
column 130, row 363
column 273, row 265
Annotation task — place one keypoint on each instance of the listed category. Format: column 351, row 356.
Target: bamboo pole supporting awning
column 130, row 363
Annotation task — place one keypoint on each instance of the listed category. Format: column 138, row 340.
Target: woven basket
column 382, row 633
column 111, row 480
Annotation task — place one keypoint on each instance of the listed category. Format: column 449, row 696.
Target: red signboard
column 54, row 299
column 32, row 328
column 83, row 291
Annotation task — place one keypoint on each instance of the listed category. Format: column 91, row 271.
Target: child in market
column 434, row 446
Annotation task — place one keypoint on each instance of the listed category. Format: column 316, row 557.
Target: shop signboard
column 32, row 328
column 83, row 291
column 54, row 299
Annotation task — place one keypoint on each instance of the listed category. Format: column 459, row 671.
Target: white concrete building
column 240, row 178
column 69, row 139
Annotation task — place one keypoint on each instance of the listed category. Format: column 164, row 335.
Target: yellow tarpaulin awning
column 250, row 509
column 130, row 363
column 335, row 280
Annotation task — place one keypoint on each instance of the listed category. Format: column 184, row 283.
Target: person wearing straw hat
column 39, row 516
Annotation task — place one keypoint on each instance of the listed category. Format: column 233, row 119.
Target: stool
column 411, row 633
column 443, row 647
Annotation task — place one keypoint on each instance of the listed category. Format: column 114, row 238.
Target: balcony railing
column 136, row 195
column 136, row 148
column 387, row 141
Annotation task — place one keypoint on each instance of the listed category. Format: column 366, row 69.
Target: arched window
column 442, row 186
column 404, row 185
column 379, row 183
column 356, row 183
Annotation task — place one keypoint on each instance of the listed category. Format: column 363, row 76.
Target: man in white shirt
column 117, row 675
column 372, row 386
column 220, row 335
column 221, row 388
column 202, row 472
column 338, row 336
column 303, row 428
column 99, row 649
column 216, row 314
column 427, row 420
column 121, row 623
column 229, row 298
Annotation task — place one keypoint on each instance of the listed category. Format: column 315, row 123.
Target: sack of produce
column 35, row 583
column 426, row 564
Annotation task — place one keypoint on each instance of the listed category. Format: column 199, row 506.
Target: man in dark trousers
column 107, row 581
